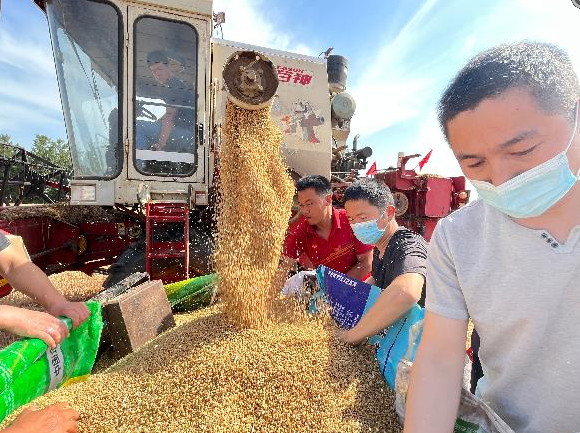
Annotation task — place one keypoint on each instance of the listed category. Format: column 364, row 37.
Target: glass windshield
column 165, row 97
column 85, row 36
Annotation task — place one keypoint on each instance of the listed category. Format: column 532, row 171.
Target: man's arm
column 362, row 267
column 394, row 302
column 35, row 324
column 436, row 377
column 295, row 219
column 166, row 127
column 26, row 277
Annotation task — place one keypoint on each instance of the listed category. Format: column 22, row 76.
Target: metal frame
column 198, row 140
column 28, row 177
column 199, row 23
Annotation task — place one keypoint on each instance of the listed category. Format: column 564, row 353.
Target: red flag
column 373, row 169
column 425, row 160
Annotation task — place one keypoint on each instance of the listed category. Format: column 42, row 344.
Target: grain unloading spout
column 250, row 80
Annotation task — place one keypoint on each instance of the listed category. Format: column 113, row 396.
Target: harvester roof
column 81, row 26
column 202, row 7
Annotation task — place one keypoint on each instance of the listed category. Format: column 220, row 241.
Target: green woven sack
column 191, row 294
column 29, row 368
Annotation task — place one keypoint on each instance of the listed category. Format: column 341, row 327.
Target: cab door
column 167, row 58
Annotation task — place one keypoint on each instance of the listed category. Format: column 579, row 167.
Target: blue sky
column 401, row 54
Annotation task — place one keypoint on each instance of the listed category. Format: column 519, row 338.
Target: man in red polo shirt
column 322, row 235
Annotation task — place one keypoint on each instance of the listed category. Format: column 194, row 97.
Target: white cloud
column 25, row 54
column 35, row 91
column 246, row 22
column 20, row 117
column 29, row 95
column 469, row 43
column 393, row 88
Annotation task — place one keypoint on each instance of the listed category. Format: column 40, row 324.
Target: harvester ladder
column 157, row 216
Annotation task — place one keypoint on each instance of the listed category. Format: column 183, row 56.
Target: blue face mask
column 368, row 232
column 533, row 192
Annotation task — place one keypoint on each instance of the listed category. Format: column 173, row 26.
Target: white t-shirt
column 522, row 290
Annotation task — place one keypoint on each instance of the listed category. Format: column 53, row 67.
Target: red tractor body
column 422, row 199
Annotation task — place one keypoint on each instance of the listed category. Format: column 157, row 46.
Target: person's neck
column 559, row 220
column 381, row 245
column 324, row 226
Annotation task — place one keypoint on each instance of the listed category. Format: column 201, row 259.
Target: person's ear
column 390, row 213
column 328, row 199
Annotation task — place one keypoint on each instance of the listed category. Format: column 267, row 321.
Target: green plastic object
column 29, row 368
column 191, row 294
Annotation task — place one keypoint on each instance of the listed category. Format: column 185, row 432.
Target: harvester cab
column 129, row 74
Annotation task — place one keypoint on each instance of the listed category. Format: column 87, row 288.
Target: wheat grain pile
column 207, row 375
column 256, row 194
column 63, row 212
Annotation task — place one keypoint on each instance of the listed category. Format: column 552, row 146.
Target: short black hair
column 158, row 56
column 542, row 68
column 377, row 193
column 319, row 183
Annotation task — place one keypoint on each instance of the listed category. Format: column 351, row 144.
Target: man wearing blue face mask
column 511, row 259
column 399, row 257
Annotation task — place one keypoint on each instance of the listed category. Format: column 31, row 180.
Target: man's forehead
column 308, row 193
column 502, row 121
column 361, row 206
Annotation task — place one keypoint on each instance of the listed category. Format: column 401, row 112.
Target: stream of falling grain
column 256, row 194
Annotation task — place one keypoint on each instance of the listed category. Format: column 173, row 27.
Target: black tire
column 133, row 258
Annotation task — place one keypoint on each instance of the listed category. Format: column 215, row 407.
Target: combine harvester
column 123, row 66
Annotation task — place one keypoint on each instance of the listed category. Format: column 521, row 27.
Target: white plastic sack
column 473, row 416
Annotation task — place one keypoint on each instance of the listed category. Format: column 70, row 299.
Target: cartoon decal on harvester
column 304, row 116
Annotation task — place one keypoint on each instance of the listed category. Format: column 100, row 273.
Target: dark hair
column 544, row 69
column 376, row 193
column 158, row 56
column 319, row 183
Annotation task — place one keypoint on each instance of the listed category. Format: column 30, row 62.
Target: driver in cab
column 174, row 131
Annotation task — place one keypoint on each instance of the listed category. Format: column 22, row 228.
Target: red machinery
column 55, row 245
column 420, row 199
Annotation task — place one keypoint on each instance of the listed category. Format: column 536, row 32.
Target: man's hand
column 294, row 286
column 58, row 418
column 158, row 146
column 28, row 323
column 78, row 312
column 350, row 337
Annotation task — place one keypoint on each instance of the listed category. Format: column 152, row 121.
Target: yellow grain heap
column 209, row 376
column 254, row 207
column 62, row 212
